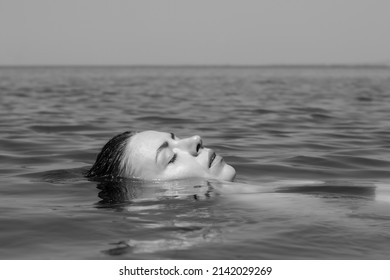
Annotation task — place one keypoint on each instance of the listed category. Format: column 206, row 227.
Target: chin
column 228, row 173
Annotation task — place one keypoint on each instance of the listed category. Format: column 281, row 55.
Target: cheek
column 145, row 172
column 184, row 169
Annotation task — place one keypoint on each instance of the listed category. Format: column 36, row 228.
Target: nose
column 191, row 144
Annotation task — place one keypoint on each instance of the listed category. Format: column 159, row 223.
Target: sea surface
column 311, row 146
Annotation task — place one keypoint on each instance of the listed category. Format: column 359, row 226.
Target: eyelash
column 173, row 159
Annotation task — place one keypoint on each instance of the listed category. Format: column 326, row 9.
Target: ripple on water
column 279, row 127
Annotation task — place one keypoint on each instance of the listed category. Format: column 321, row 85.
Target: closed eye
column 173, row 159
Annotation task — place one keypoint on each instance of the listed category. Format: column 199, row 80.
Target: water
column 311, row 146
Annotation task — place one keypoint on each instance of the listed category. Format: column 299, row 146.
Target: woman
column 153, row 155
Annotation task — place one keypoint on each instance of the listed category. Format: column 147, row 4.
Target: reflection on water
column 147, row 202
column 193, row 214
column 116, row 192
column 310, row 146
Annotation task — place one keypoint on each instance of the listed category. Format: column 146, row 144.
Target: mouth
column 212, row 157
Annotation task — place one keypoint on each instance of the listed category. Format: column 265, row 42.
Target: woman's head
column 157, row 155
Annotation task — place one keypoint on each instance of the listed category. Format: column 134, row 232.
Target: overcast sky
column 194, row 31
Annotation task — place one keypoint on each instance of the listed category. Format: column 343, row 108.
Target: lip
column 212, row 157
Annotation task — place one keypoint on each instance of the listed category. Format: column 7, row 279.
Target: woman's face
column 160, row 155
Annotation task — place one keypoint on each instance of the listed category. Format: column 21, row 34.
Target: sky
column 201, row 32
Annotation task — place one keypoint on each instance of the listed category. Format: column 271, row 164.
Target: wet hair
column 109, row 162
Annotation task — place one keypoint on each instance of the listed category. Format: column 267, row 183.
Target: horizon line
column 225, row 65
